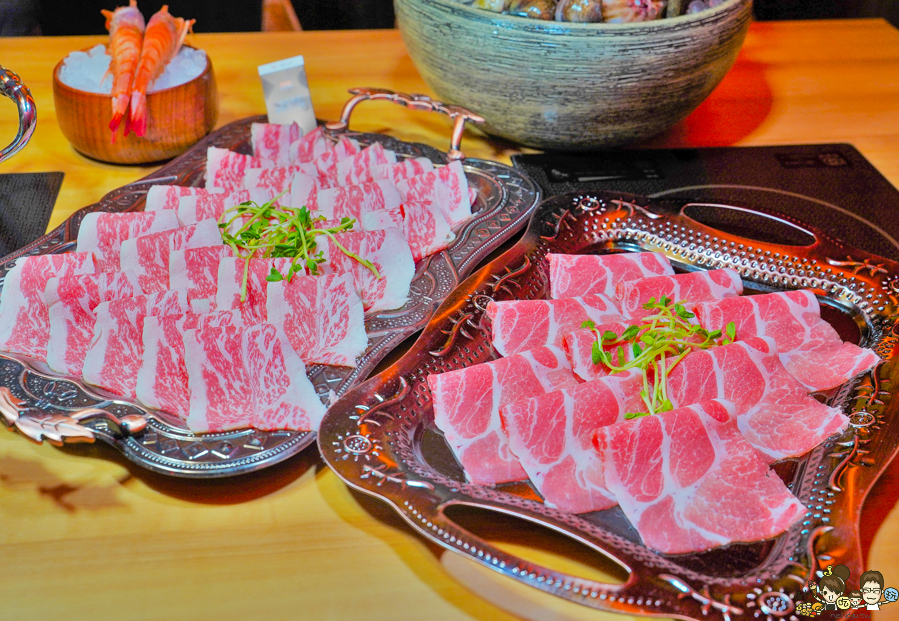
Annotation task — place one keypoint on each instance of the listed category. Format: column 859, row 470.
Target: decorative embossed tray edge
column 45, row 406
column 374, row 437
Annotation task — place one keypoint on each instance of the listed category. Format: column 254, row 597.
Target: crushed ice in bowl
column 88, row 71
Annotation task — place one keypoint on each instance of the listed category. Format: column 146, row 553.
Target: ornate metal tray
column 380, row 436
column 44, row 405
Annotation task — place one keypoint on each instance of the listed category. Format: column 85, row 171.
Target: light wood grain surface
column 85, row 535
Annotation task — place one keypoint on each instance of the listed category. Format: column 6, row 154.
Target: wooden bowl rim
column 57, row 83
column 551, row 27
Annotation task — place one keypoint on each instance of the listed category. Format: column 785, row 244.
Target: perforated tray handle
column 458, row 114
column 11, row 86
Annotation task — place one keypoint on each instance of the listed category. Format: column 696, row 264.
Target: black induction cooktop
column 830, row 186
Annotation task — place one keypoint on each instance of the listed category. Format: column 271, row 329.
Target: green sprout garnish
column 270, row 231
column 656, row 345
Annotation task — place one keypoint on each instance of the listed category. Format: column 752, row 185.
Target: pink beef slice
column 247, row 377
column 389, row 253
column 226, row 169
column 808, row 346
column 196, row 270
column 271, row 181
column 283, row 396
column 467, row 402
column 71, row 301
column 552, row 437
column 321, row 316
column 324, row 167
column 427, row 231
column 571, row 275
column 272, row 142
column 444, row 189
column 406, row 169
column 103, row 233
column 688, row 481
column 309, row 147
column 774, row 411
column 162, row 381
column 519, row 325
column 304, row 190
column 693, row 287
column 167, row 197
column 193, row 209
column 24, row 315
column 356, row 200
column 148, row 255
column 115, row 354
column 229, row 285
column 357, row 169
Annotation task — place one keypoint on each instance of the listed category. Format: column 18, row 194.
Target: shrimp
column 162, row 40
column 126, row 33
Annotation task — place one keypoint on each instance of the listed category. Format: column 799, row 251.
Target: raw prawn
column 126, row 33
column 162, row 40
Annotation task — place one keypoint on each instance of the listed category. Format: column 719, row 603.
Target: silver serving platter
column 381, row 439
column 43, row 405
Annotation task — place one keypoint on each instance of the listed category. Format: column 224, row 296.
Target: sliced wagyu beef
column 321, row 316
column 24, row 315
column 519, row 325
column 196, row 270
column 427, row 231
column 552, row 437
column 683, row 479
column 116, row 351
column 808, row 346
column 467, row 402
column 71, row 301
column 272, row 142
column 225, row 169
column 247, row 377
column 162, row 380
column 357, row 169
column 444, row 189
column 774, row 411
column 572, row 275
column 309, row 147
column 411, row 167
column 103, row 233
column 391, row 256
column 148, row 255
column 693, row 287
column 355, row 200
column 243, row 286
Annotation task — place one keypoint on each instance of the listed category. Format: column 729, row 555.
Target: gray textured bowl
column 559, row 85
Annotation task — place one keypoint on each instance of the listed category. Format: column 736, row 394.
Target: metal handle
column 458, row 114
column 11, row 86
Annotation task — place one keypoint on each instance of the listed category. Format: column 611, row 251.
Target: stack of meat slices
column 150, row 306
column 336, row 180
column 688, row 479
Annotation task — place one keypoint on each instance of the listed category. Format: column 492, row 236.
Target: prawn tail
column 138, row 112
column 119, row 111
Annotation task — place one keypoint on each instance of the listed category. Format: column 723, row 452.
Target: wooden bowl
column 177, row 118
column 559, row 85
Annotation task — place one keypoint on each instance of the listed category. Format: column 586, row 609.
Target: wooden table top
column 87, row 535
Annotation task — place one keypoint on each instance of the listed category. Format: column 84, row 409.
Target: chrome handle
column 11, row 86
column 458, row 114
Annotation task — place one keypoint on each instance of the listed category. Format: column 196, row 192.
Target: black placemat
column 831, row 186
column 26, row 202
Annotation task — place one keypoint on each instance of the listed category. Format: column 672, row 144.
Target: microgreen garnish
column 271, row 231
column 660, row 341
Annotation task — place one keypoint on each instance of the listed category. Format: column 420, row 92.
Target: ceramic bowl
column 177, row 118
column 559, row 85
